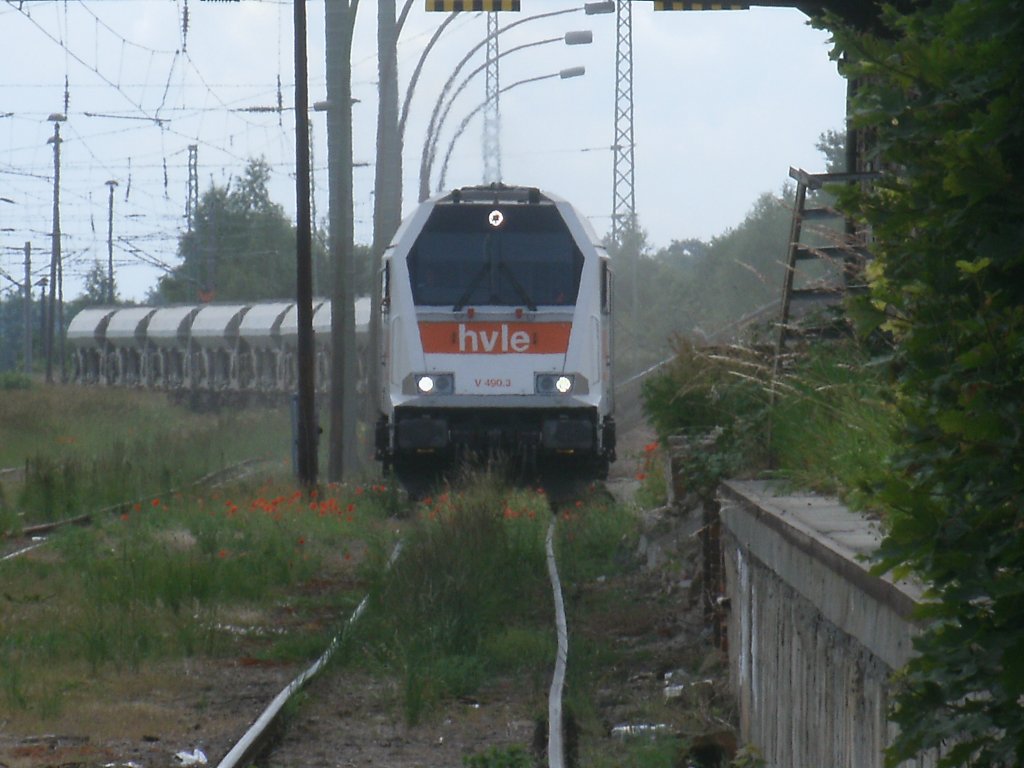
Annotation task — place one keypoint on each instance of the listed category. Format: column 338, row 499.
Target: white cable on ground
column 556, row 756
column 22, row 551
column 252, row 740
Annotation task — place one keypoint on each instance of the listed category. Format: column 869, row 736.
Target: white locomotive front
column 496, row 336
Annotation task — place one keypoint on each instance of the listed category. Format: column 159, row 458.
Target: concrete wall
column 813, row 637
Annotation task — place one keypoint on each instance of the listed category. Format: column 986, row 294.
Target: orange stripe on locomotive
column 495, row 338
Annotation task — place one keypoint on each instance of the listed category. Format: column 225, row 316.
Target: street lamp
column 580, row 37
column 590, row 9
column 564, row 74
column 56, row 268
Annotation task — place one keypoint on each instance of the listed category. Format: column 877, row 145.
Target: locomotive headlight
column 554, row 383
column 434, row 383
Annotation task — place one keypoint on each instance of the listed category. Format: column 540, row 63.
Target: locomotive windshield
column 468, row 255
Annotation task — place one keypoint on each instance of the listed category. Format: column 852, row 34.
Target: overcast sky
column 724, row 103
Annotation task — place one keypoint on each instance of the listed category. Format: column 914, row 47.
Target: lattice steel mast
column 623, row 194
column 492, row 111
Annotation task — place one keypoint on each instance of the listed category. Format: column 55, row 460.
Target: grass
column 83, row 449
column 468, row 604
column 258, row 571
column 176, row 573
column 452, row 607
column 169, row 579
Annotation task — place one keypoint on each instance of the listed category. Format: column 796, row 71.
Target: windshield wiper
column 530, row 303
column 473, row 285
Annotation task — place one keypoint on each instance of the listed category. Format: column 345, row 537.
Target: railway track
column 343, row 715
column 257, row 739
column 257, row 744
column 263, row 734
column 349, row 717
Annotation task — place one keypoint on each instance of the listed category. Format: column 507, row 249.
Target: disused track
column 258, row 742
column 33, row 536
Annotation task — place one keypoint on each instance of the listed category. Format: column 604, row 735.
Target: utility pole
column 191, row 212
column 55, row 256
column 60, row 320
column 28, row 308
column 43, row 320
column 307, row 427
column 339, row 23
column 110, row 243
column 387, row 186
column 492, row 112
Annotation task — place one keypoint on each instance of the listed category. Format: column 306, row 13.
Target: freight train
column 496, row 340
column 496, row 308
column 205, row 352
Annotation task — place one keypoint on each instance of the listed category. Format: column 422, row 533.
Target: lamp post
column 590, row 9
column 564, row 74
column 55, row 256
column 581, row 37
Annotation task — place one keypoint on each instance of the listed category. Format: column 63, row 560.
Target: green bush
column 500, row 757
column 10, row 380
column 827, row 423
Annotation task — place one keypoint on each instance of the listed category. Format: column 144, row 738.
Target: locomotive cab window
column 466, row 255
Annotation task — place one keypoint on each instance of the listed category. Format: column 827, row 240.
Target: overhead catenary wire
column 160, row 81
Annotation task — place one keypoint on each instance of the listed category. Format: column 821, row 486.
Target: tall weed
column 827, row 423
column 113, row 449
column 468, row 598
column 471, row 568
column 718, row 396
column 834, row 423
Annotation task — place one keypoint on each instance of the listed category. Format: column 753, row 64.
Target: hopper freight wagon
column 210, row 352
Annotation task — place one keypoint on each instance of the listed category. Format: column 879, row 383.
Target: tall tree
column 97, row 289
column 832, row 144
column 242, row 247
column 695, row 287
column 943, row 91
column 340, row 19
